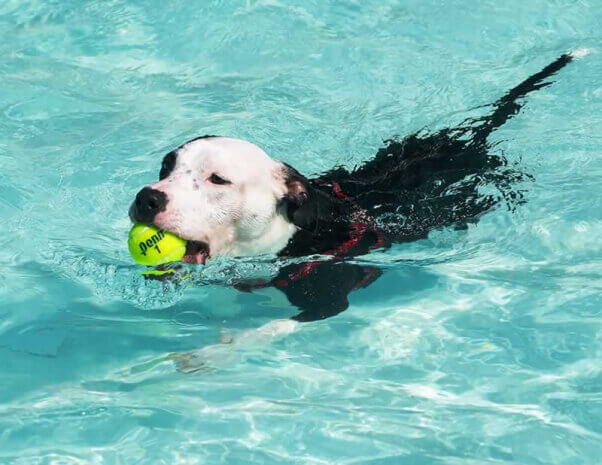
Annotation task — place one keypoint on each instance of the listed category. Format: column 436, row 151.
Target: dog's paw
column 189, row 362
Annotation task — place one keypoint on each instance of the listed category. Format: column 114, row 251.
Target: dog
column 227, row 197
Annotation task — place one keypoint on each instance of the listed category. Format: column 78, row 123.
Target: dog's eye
column 215, row 179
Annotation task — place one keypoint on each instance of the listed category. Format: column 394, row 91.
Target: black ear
column 297, row 201
column 297, row 186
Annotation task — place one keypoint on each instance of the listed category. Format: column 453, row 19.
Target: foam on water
column 479, row 346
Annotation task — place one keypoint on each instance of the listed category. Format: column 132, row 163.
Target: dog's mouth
column 196, row 252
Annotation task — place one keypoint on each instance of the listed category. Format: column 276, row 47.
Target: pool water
column 481, row 346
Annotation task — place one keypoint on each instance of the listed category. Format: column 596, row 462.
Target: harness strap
column 358, row 232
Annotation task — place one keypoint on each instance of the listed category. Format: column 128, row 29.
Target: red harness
column 358, row 231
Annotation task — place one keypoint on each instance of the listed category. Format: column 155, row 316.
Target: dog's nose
column 148, row 203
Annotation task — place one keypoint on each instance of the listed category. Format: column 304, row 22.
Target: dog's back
column 431, row 180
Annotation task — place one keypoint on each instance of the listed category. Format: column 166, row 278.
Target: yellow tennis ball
column 151, row 246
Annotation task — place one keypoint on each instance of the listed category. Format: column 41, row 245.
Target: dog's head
column 225, row 196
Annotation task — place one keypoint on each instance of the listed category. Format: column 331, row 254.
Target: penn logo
column 151, row 242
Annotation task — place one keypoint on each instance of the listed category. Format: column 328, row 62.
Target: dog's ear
column 296, row 200
column 297, row 189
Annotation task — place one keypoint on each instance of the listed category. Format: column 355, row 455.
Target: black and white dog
column 227, row 197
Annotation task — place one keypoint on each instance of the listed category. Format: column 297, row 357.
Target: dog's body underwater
column 227, row 197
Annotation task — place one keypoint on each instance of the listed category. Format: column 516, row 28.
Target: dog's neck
column 272, row 240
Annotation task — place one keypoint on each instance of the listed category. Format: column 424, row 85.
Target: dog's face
column 225, row 196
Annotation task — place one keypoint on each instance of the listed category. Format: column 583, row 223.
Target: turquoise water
column 481, row 346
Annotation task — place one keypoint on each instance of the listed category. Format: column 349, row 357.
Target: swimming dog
column 227, row 197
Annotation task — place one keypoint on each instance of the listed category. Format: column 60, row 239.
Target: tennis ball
column 151, row 246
